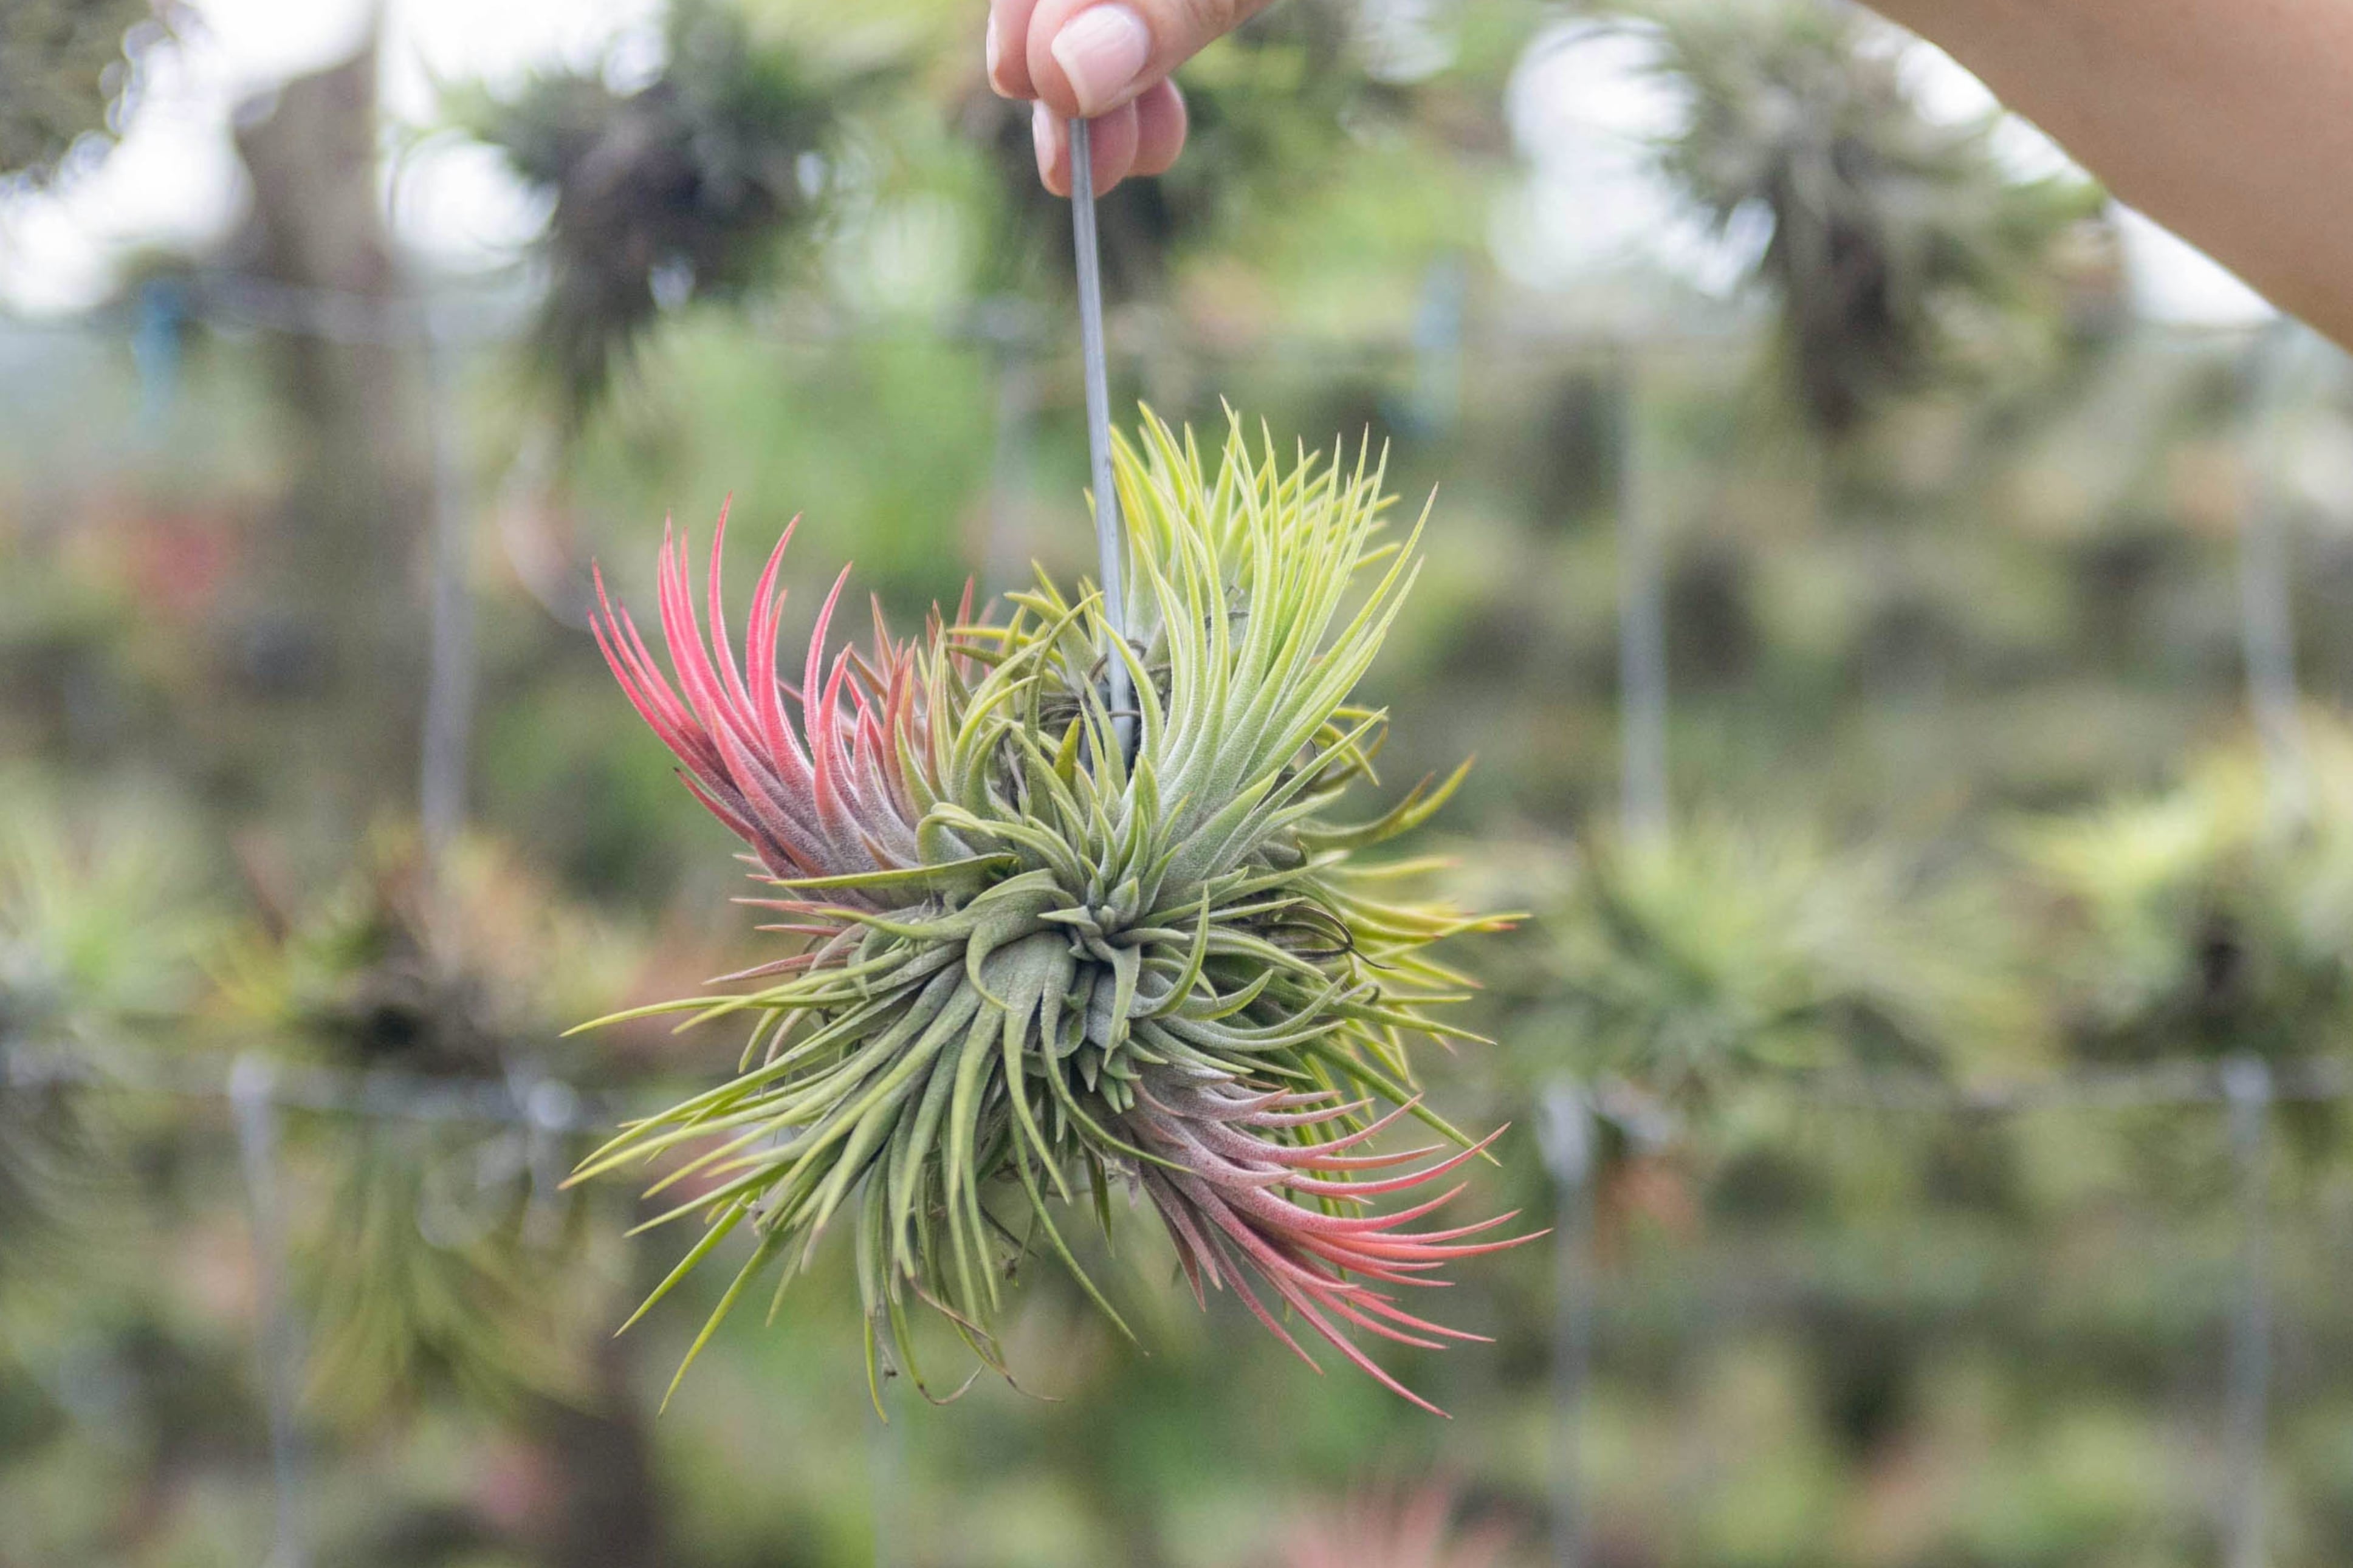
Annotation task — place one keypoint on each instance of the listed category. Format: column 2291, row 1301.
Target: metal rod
column 2248, row 1082
column 1641, row 633
column 1564, row 1132
column 1098, row 386
column 2267, row 598
column 278, row 1341
column 449, row 684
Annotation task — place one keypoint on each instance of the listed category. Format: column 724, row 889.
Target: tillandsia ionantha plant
column 1031, row 960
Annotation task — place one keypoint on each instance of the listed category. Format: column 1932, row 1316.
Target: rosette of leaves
column 68, row 68
column 1894, row 234
column 431, row 1257
column 2213, row 919
column 689, row 187
column 1030, row 963
column 1729, row 956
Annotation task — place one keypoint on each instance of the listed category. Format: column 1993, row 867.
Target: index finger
column 1007, row 47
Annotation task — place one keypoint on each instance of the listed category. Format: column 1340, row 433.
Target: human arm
column 2230, row 122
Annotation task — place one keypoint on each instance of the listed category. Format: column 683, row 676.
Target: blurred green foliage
column 442, row 1258
column 1954, row 744
column 687, row 186
column 102, row 923
column 2212, row 919
column 1727, row 953
column 68, row 68
column 1884, row 229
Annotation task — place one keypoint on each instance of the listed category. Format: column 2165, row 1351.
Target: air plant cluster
column 1041, row 950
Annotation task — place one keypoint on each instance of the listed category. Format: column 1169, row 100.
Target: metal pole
column 1564, row 1132
column 1438, row 345
column 549, row 1106
column 277, row 1342
column 2266, row 603
column 2247, row 1085
column 449, row 683
column 1098, row 388
column 1641, row 634
column 155, row 353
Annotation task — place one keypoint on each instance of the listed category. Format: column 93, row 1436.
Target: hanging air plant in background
column 1028, row 963
column 67, row 71
column 1894, row 234
column 430, row 1254
column 1727, row 957
column 2215, row 919
column 689, row 185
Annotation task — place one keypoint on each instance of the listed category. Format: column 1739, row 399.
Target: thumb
column 1089, row 56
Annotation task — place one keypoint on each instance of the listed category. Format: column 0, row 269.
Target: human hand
column 1107, row 60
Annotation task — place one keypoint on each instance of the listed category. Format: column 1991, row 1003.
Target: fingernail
column 1041, row 135
column 992, row 52
column 1102, row 50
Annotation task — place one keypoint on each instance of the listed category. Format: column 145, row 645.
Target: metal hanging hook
column 1110, row 575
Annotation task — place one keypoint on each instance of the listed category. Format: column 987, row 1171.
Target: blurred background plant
column 1966, row 839
column 1897, row 245
column 101, row 929
column 1727, row 953
column 445, row 1256
column 695, row 185
column 2211, row 919
column 70, row 78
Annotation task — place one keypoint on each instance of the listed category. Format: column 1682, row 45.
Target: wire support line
column 550, row 1104
column 461, row 310
column 1087, row 248
column 542, row 1104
